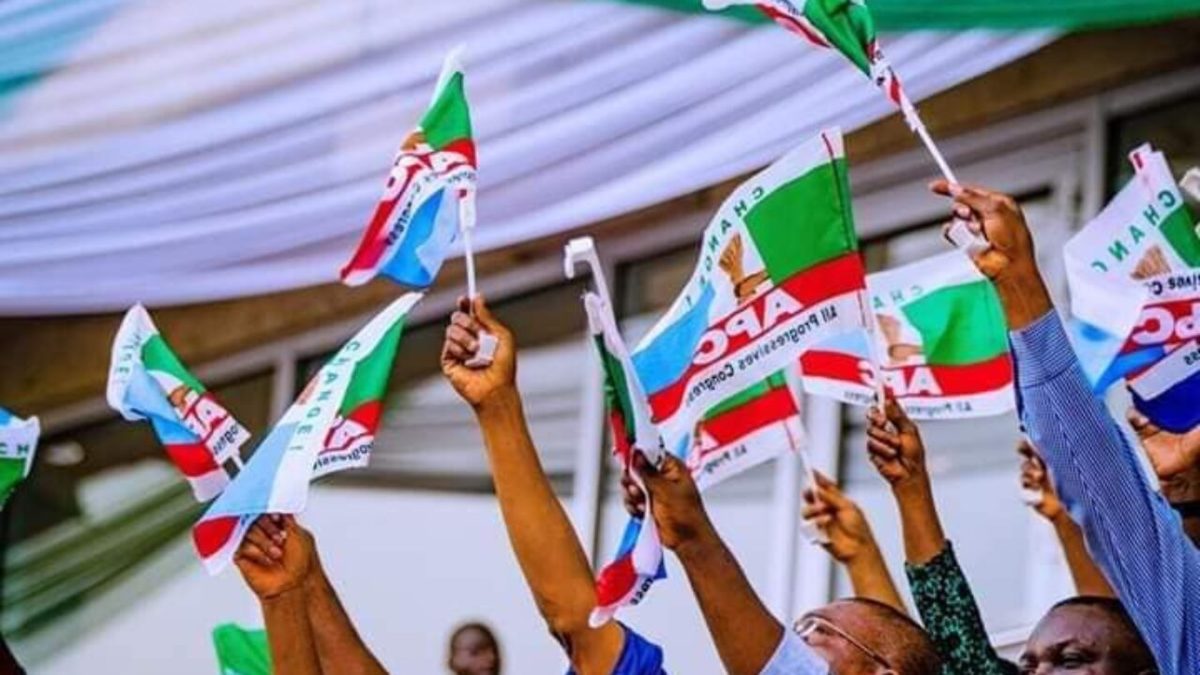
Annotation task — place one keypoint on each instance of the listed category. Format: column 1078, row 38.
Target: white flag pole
column 486, row 349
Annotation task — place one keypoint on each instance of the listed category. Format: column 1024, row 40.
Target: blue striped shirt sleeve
column 1131, row 532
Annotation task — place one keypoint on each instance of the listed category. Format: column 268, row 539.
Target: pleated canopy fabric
column 170, row 152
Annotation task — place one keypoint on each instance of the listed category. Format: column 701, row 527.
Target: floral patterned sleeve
column 952, row 619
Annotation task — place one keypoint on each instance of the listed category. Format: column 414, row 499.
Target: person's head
column 1088, row 635
column 474, row 650
column 864, row 637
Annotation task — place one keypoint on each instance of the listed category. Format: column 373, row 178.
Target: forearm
column 870, row 579
column 339, row 646
column 924, row 538
column 547, row 549
column 1089, row 580
column 745, row 633
column 290, row 635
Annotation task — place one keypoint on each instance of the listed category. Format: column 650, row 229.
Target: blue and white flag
column 1134, row 274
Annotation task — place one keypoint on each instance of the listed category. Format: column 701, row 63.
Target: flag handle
column 582, row 250
column 486, row 349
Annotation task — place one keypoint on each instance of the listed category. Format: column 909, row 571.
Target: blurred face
column 474, row 653
column 1080, row 640
column 841, row 635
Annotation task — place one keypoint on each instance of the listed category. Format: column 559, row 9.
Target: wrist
column 702, row 543
column 916, row 488
column 867, row 558
column 499, row 402
column 283, row 595
column 1023, row 295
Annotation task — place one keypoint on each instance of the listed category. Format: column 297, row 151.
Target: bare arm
column 744, row 631
column 547, row 549
column 851, row 542
column 275, row 569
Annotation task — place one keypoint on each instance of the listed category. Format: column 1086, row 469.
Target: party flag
column 18, row 443
column 779, row 273
column 846, row 26
column 147, row 381
column 639, row 558
column 330, row 427
column 942, row 339
column 429, row 195
column 241, row 651
column 1134, row 275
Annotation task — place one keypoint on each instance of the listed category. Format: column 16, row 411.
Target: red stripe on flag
column 772, row 407
column 374, row 242
column 794, row 25
column 1165, row 324
column 368, row 415
column 464, row 147
column 817, row 284
column 615, row 581
column 192, row 459
column 210, row 536
column 964, row 380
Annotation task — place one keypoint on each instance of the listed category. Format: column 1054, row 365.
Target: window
column 1171, row 128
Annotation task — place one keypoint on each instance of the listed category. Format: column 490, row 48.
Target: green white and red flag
column 940, row 337
column 845, row 26
column 779, row 274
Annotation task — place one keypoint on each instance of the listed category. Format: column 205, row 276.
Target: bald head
column 1086, row 634
column 882, row 631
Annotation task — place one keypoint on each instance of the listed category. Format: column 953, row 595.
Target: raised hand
column 478, row 385
column 674, row 500
column 1036, row 480
column 895, row 447
column 840, row 519
column 1170, row 454
column 276, row 556
column 1010, row 261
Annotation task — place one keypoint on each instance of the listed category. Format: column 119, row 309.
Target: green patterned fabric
column 951, row 617
column 1004, row 14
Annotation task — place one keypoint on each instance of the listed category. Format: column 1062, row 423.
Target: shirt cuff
column 1041, row 350
column 936, row 567
column 795, row 657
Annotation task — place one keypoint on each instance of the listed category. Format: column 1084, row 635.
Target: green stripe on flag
column 157, row 355
column 370, row 378
column 846, row 25
column 804, row 222
column 775, row 381
column 1180, row 232
column 449, row 118
column 960, row 324
column 616, row 388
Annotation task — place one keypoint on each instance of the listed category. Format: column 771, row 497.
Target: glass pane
column 1171, row 128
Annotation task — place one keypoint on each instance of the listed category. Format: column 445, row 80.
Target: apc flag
column 147, row 381
column 844, row 25
column 779, row 273
column 639, row 558
column 241, row 651
column 430, row 192
column 1134, row 275
column 941, row 337
column 18, row 443
column 330, row 427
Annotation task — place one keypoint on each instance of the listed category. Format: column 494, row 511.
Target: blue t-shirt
column 639, row 656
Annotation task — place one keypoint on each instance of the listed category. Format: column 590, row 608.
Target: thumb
column 830, row 493
column 896, row 415
column 484, row 315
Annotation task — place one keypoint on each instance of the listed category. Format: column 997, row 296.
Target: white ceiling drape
column 168, row 152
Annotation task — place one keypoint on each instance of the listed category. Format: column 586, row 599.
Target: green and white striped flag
column 18, row 443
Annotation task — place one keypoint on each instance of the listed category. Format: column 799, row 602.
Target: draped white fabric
column 171, row 152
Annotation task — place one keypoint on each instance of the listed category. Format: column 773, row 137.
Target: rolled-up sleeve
column 1130, row 530
column 794, row 657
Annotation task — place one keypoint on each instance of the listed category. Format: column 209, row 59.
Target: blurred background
column 218, row 161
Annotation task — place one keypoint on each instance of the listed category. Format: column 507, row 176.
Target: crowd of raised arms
column 1129, row 546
